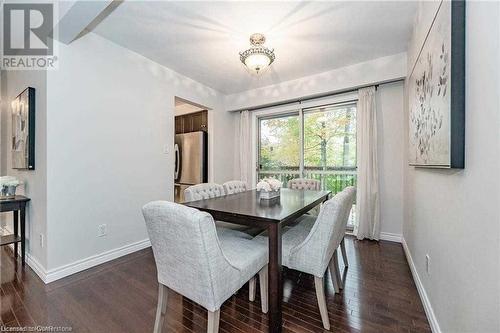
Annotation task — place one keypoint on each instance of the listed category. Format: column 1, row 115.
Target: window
column 317, row 143
column 279, row 147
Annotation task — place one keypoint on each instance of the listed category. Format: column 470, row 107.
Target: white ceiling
column 202, row 39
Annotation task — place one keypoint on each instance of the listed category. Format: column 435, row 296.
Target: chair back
column 350, row 191
column 203, row 191
column 304, row 184
column 188, row 255
column 234, row 186
column 314, row 253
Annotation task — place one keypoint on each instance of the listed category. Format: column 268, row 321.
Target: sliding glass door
column 317, row 143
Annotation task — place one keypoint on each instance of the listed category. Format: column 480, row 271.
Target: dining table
column 247, row 208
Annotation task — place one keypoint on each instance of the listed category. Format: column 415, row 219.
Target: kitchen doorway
column 190, row 146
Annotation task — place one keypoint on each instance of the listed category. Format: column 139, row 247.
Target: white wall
column 100, row 150
column 453, row 215
column 349, row 77
column 35, row 182
column 110, row 116
column 223, row 148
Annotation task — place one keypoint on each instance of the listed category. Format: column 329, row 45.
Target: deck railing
column 333, row 180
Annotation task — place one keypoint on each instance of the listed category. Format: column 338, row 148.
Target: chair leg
column 344, row 253
column 161, row 308
column 213, row 321
column 337, row 270
column 333, row 275
column 263, row 288
column 320, row 295
column 251, row 288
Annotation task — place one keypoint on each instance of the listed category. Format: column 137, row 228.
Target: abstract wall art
column 23, row 130
column 436, row 92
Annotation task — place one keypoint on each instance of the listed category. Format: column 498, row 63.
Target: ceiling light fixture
column 257, row 57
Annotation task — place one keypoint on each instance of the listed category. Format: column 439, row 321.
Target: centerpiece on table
column 8, row 186
column 269, row 188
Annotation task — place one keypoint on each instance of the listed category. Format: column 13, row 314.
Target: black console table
column 17, row 205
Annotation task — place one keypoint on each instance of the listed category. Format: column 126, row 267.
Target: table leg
column 23, row 234
column 275, row 283
column 16, row 232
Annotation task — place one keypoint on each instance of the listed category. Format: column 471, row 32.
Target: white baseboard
column 32, row 262
column 54, row 274
column 387, row 236
column 36, row 267
column 421, row 291
column 83, row 264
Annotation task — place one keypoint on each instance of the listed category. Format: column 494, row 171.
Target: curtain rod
column 308, row 98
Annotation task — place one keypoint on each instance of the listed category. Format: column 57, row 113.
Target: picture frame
column 436, row 93
column 23, row 130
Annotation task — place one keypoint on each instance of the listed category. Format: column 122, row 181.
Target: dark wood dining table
column 247, row 208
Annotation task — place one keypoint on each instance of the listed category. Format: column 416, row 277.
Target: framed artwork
column 23, row 130
column 436, row 92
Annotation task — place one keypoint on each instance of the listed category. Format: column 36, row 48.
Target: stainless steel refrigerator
column 190, row 162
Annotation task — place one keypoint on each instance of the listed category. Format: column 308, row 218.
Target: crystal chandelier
column 257, row 57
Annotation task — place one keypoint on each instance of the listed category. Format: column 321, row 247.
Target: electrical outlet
column 41, row 240
column 101, row 230
column 428, row 264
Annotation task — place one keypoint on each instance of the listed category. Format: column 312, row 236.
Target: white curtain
column 367, row 197
column 245, row 151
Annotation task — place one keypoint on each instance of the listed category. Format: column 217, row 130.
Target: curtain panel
column 367, row 194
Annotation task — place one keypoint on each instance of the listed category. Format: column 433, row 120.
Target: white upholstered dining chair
column 213, row 190
column 203, row 191
column 311, row 245
column 234, row 186
column 304, row 184
column 196, row 262
column 351, row 192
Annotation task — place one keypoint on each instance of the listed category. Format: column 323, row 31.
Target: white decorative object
column 8, row 185
column 269, row 188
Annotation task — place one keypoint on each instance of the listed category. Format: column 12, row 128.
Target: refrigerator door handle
column 177, row 161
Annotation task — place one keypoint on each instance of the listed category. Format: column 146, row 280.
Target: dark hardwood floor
column 120, row 296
